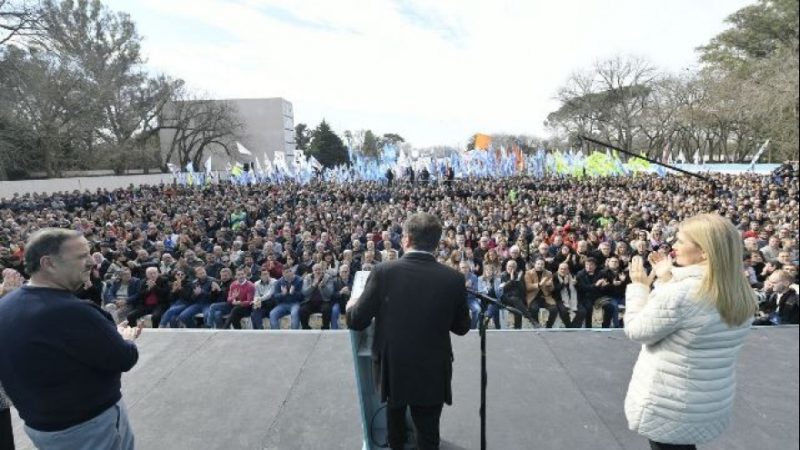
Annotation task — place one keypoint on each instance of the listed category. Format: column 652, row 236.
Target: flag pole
column 606, row 144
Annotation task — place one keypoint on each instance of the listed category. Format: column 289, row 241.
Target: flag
column 758, row 155
column 618, row 166
column 242, row 150
column 258, row 171
column 638, row 164
column 236, row 170
column 208, row 165
column 666, row 155
column 314, row 163
column 173, row 168
column 482, row 141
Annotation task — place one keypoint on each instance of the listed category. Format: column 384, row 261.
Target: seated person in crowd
column 179, row 293
column 512, row 293
column 262, row 300
column 472, row 283
column 565, row 293
column 221, row 304
column 288, row 294
column 121, row 294
column 489, row 285
column 240, row 296
column 540, row 290
column 781, row 304
column 152, row 298
column 203, row 291
column 618, row 281
column 342, row 288
column 594, row 289
column 317, row 296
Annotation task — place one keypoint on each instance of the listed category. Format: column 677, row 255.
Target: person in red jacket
column 240, row 297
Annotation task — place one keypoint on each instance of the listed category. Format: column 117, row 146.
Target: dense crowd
column 227, row 252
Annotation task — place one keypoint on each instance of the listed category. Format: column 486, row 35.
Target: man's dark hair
column 45, row 242
column 424, row 230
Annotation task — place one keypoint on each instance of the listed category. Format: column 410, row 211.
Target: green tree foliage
column 471, row 143
column 327, row 147
column 76, row 92
column 758, row 31
column 390, row 139
column 48, row 120
column 370, row 148
column 302, row 136
column 755, row 67
column 746, row 93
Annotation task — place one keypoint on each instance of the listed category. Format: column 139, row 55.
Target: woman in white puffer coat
column 691, row 327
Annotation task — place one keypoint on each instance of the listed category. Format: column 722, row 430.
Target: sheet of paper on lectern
column 359, row 282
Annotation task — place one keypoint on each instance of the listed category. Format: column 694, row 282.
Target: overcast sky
column 433, row 71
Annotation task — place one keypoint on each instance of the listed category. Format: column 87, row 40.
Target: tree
column 757, row 32
column 355, row 139
column 197, row 125
column 370, row 147
column 74, row 93
column 471, row 142
column 48, row 118
column 107, row 48
column 390, row 139
column 18, row 18
column 302, row 136
column 755, row 64
column 327, row 147
column 580, row 109
column 625, row 85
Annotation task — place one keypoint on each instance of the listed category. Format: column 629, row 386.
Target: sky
column 435, row 72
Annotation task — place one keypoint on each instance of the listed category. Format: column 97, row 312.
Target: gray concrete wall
column 51, row 185
column 267, row 127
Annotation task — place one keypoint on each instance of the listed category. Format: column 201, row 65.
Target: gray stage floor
column 547, row 390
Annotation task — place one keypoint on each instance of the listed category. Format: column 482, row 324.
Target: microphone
column 482, row 296
column 494, row 301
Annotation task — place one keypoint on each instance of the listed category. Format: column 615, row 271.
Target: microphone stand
column 483, row 321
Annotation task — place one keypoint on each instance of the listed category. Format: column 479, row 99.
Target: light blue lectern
column 373, row 411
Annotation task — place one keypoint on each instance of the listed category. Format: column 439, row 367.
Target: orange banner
column 482, row 141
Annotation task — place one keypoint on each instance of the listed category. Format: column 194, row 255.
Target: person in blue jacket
column 287, row 295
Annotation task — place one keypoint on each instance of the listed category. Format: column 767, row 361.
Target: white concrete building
column 267, row 128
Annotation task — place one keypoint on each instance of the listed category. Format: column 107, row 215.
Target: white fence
column 51, row 185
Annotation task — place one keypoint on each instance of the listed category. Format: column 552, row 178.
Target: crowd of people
column 217, row 254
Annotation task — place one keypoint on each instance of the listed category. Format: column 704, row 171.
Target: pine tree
column 327, row 146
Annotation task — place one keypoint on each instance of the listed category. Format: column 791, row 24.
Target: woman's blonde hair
column 723, row 284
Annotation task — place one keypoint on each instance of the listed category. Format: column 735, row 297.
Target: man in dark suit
column 416, row 303
column 152, row 298
column 781, row 306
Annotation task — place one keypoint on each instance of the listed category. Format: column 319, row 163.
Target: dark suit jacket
column 161, row 289
column 789, row 309
column 416, row 303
